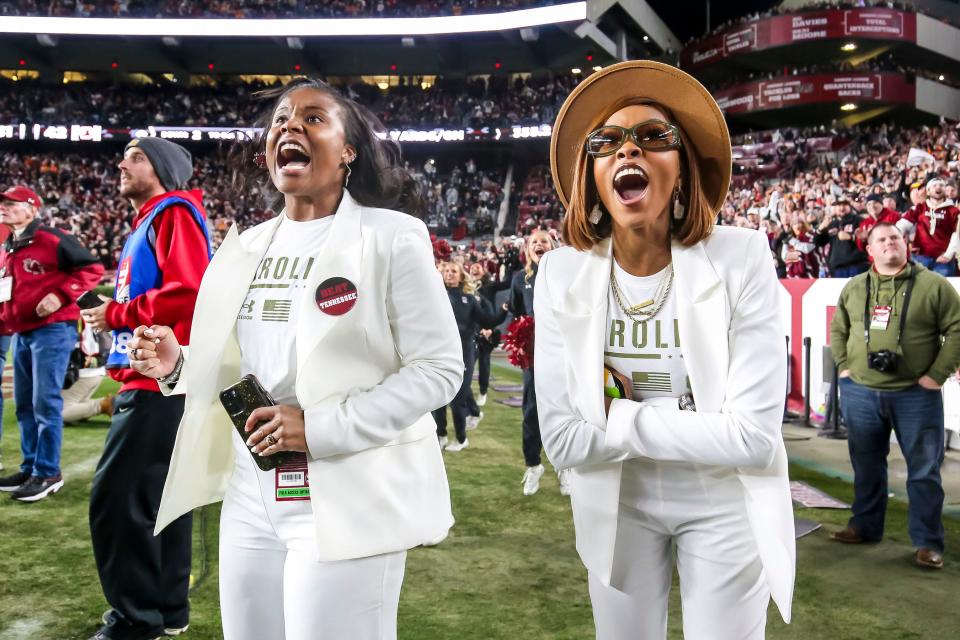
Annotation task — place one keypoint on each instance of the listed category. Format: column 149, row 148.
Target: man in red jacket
column 145, row 579
column 43, row 272
column 933, row 223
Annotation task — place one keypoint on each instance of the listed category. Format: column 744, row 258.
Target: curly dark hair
column 378, row 177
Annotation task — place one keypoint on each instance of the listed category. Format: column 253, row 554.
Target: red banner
column 791, row 91
column 779, row 31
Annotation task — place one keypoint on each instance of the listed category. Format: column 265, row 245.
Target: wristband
column 173, row 377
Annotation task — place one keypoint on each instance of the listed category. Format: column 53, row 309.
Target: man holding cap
column 42, row 273
column 145, row 579
column 933, row 223
column 876, row 212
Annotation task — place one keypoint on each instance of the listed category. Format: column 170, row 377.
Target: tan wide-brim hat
column 694, row 109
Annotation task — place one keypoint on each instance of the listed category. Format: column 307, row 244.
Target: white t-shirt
column 266, row 324
column 647, row 352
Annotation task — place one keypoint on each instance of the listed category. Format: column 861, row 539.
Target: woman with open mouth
column 660, row 364
column 336, row 308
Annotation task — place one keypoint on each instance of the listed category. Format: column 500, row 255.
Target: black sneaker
column 37, row 488
column 13, row 481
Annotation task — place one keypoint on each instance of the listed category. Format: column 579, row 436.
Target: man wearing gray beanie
column 145, row 579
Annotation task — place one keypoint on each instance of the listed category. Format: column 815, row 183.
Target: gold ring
column 270, row 440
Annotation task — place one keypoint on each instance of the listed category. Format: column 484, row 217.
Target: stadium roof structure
column 565, row 35
column 846, row 64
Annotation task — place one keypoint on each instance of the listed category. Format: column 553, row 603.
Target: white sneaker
column 474, row 421
column 531, row 480
column 458, row 446
column 563, row 477
column 481, row 399
column 443, row 441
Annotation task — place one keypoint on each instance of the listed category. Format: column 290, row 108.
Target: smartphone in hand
column 89, row 300
column 239, row 401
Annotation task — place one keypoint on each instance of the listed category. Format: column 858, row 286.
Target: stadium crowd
column 787, row 183
column 492, row 101
column 81, row 196
column 260, row 8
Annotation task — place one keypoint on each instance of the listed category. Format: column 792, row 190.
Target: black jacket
column 521, row 293
column 843, row 253
column 471, row 314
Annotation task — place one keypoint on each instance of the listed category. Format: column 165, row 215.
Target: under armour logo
column 248, row 306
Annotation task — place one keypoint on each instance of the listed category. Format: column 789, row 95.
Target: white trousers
column 696, row 514
column 273, row 588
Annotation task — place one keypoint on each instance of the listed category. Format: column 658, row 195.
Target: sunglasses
column 651, row 135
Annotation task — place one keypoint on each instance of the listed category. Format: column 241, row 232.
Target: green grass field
column 508, row 570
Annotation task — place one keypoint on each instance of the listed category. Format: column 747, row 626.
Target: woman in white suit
column 336, row 307
column 681, row 448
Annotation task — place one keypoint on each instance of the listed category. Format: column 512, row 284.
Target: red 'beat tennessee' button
column 336, row 296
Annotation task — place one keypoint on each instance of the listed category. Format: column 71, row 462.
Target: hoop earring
column 679, row 209
column 595, row 214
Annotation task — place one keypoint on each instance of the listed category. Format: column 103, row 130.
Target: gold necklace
column 640, row 312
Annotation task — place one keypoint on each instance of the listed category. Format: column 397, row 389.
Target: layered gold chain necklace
column 646, row 309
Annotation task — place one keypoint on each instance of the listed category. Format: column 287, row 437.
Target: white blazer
column 366, row 380
column 735, row 355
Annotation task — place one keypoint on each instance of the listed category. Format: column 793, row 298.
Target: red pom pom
column 518, row 342
column 441, row 250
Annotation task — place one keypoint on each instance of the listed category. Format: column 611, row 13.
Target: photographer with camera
column 896, row 338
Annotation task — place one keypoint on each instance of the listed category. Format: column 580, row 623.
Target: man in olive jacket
column 891, row 372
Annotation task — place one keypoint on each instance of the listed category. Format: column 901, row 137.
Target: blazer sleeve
column 746, row 432
column 431, row 370
column 568, row 439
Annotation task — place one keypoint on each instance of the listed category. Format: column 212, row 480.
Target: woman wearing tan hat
column 690, row 453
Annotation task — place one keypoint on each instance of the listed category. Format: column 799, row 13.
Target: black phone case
column 89, row 300
column 253, row 396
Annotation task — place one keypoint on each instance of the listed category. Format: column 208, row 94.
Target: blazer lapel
column 235, row 261
column 581, row 317
column 341, row 257
column 704, row 321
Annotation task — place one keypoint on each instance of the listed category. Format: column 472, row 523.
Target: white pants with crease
column 697, row 514
column 273, row 588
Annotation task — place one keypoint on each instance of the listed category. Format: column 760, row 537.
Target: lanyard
column 903, row 311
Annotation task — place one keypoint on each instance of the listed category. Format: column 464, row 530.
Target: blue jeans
column 947, row 269
column 4, row 347
column 848, row 272
column 39, row 366
column 916, row 416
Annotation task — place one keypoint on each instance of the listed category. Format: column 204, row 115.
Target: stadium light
column 575, row 71
column 850, row 46
column 293, row 27
column 848, row 107
column 597, row 68
column 940, row 77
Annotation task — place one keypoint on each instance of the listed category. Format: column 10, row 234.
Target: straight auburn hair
column 581, row 234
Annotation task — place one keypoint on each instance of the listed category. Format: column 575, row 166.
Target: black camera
column 884, row 361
